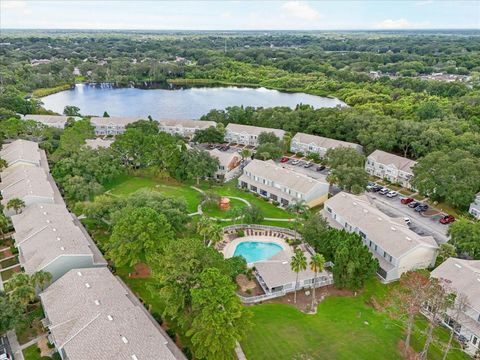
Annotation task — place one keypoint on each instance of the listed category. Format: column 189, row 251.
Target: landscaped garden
column 342, row 328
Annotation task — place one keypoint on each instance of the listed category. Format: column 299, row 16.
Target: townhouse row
column 90, row 313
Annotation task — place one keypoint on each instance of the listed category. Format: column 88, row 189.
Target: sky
column 239, row 15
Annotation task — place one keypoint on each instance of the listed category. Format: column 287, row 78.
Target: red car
column 284, row 159
column 447, row 219
column 406, row 200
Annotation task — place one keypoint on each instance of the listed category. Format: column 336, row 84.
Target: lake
column 180, row 103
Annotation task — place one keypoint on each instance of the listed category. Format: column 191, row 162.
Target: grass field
column 32, row 353
column 343, row 328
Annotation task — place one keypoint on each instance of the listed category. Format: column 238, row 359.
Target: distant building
column 282, row 185
column 306, row 143
column 248, row 135
column 397, row 248
column 111, row 126
column 474, row 209
column 91, row 314
column 98, row 143
column 184, row 128
column 56, row 121
column 21, row 152
column 229, row 164
column 393, row 168
column 48, row 239
column 463, row 276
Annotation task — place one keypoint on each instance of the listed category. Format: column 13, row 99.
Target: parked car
column 407, row 221
column 295, row 162
column 377, row 188
column 447, row 219
column 421, row 207
column 284, row 159
column 392, row 194
column 414, row 204
column 307, row 165
column 370, row 186
column 384, row 191
column 407, row 200
column 320, row 168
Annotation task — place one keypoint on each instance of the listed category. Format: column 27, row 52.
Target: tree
column 347, row 169
column 409, row 298
column 105, row 114
column 41, row 279
column 71, row 110
column 268, row 138
column 452, row 176
column 438, row 300
column 22, row 289
column 73, row 137
column 465, row 236
column 354, row 264
column 317, row 265
column 245, row 153
column 252, row 214
column 11, row 315
column 209, row 135
column 297, row 264
column 459, row 305
column 3, row 164
column 297, row 208
column 139, row 234
column 445, row 251
column 197, row 164
column 215, row 305
column 16, row 204
column 269, row 151
column 314, row 231
column 4, row 225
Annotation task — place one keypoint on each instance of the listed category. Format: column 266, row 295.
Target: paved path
column 239, row 352
column 33, row 341
column 15, row 346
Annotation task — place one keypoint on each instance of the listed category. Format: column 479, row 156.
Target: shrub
column 240, row 233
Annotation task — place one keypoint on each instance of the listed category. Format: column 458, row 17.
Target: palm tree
column 215, row 234
column 298, row 263
column 4, row 225
column 245, row 153
column 3, row 164
column 23, row 295
column 16, row 204
column 41, row 279
column 297, row 208
column 203, row 227
column 317, row 264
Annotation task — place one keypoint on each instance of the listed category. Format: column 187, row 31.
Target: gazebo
column 224, row 203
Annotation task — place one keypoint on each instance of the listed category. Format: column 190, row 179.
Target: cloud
column 400, row 24
column 300, row 10
column 18, row 6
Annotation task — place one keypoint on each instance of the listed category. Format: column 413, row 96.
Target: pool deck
column 229, row 249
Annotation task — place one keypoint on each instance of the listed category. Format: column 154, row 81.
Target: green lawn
column 343, row 328
column 7, row 274
column 33, row 326
column 9, row 262
column 213, row 210
column 32, row 353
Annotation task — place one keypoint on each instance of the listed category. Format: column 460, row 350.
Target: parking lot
column 299, row 166
column 420, row 223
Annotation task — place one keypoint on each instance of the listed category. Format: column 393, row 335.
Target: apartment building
column 474, row 208
column 49, row 238
column 248, row 135
column 397, row 248
column 91, row 314
column 463, row 277
column 111, row 126
column 184, row 128
column 282, row 185
column 56, row 121
column 393, row 168
column 306, row 143
column 21, row 152
column 229, row 164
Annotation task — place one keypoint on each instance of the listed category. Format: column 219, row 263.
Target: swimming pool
column 254, row 251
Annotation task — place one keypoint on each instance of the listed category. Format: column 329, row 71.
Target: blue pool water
column 254, row 251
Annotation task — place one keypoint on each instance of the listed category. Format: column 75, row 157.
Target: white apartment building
column 463, row 277
column 282, row 185
column 393, row 168
column 474, row 209
column 306, row 143
column 56, row 121
column 21, row 152
column 184, row 128
column 397, row 248
column 248, row 135
column 111, row 126
column 229, row 164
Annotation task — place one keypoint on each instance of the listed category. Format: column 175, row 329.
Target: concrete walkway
column 15, row 346
column 239, row 352
column 33, row 341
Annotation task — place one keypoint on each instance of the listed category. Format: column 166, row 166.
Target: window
column 328, row 209
column 370, row 245
column 362, row 235
column 376, row 247
column 474, row 340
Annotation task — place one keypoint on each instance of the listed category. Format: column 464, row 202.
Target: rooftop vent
column 124, row 339
column 79, row 273
column 379, row 219
column 62, row 248
column 48, row 221
column 109, row 317
column 393, row 228
column 284, row 262
column 354, row 203
column 58, row 238
column 408, row 238
column 458, row 265
column 97, row 302
column 134, row 357
column 44, row 213
column 87, row 285
column 54, row 229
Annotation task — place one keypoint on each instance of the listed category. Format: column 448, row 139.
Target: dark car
column 414, row 204
column 447, row 219
column 320, row 168
column 377, row 188
column 407, row 200
column 421, row 207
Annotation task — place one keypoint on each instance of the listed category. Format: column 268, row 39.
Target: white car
column 407, row 221
column 392, row 194
column 295, row 162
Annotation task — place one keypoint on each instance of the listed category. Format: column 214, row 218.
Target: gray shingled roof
column 289, row 178
column 324, row 142
column 224, row 157
column 391, row 234
column 21, row 150
column 464, row 277
column 45, row 232
column 399, row 162
column 114, row 120
column 253, row 130
column 48, row 119
column 93, row 315
column 187, row 123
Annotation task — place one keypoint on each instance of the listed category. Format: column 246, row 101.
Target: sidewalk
column 14, row 345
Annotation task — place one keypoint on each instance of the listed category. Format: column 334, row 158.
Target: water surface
column 184, row 103
column 254, row 251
